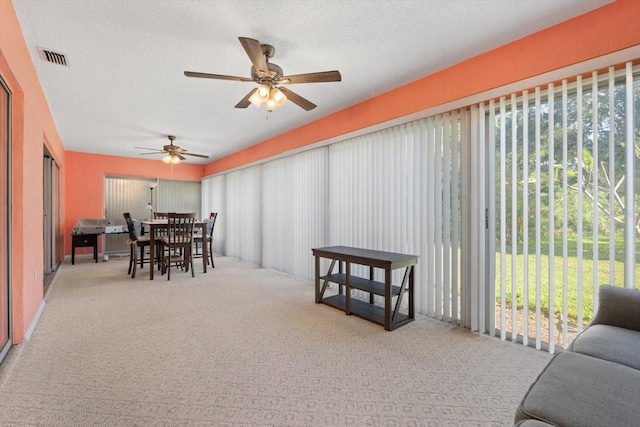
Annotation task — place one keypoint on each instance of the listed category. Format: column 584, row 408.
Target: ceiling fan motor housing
column 275, row 72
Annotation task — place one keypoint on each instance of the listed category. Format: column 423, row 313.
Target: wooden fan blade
column 153, row 152
column 253, row 49
column 320, row 77
column 244, row 102
column 216, row 76
column 297, row 99
column 150, row 149
column 179, row 156
column 195, row 155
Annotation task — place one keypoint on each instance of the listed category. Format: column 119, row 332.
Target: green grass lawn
column 573, row 282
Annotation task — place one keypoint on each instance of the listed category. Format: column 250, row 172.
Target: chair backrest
column 211, row 224
column 180, row 229
column 132, row 230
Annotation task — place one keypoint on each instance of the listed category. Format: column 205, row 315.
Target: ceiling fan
column 270, row 76
column 173, row 153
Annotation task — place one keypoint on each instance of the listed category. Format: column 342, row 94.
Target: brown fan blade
column 244, row 102
column 216, row 76
column 179, row 156
column 153, row 152
column 297, row 99
column 194, row 155
column 320, row 77
column 150, row 149
column 254, row 50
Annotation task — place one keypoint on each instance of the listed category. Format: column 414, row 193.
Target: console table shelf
column 387, row 315
column 371, row 286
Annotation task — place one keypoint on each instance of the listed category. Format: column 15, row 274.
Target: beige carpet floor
column 245, row 346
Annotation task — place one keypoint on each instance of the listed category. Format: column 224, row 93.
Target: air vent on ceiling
column 53, row 57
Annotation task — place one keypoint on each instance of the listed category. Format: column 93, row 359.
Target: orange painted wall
column 32, row 126
column 85, row 182
column 608, row 29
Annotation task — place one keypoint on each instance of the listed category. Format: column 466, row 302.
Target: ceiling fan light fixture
column 171, row 158
column 276, row 99
column 259, row 96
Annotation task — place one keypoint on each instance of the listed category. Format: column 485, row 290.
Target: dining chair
column 208, row 239
column 160, row 234
column 177, row 243
column 133, row 260
column 139, row 241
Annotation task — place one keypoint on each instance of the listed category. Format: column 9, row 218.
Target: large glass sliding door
column 567, row 206
column 5, row 218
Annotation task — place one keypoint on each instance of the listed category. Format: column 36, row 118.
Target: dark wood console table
column 388, row 315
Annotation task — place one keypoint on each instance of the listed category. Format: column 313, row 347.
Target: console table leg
column 317, row 280
column 411, row 301
column 387, row 299
column 348, row 290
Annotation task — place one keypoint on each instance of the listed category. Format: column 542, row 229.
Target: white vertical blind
column 178, row 196
column 368, row 193
column 475, row 232
column 580, row 201
column 538, row 207
column 490, row 213
column 525, row 215
column 631, row 208
column 294, row 199
column 514, row 214
column 612, row 175
column 565, row 216
column 125, row 194
column 503, row 218
column 214, row 200
column 596, row 186
column 467, row 281
column 244, row 214
column 551, row 218
column 572, row 206
column 397, row 190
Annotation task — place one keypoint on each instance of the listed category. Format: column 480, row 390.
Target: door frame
column 4, row 348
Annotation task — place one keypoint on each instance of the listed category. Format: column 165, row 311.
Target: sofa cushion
column 618, row 307
column 610, row 343
column 533, row 423
column 579, row 390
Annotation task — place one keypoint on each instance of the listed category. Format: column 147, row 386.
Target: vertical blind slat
column 565, row 223
column 580, row 185
column 538, row 217
column 630, row 190
column 596, row 161
column 525, row 217
column 514, row 215
column 503, row 219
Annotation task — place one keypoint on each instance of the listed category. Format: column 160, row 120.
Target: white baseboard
column 36, row 318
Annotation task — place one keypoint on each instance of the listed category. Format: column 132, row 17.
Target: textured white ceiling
column 124, row 86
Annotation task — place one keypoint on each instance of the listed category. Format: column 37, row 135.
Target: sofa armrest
column 618, row 307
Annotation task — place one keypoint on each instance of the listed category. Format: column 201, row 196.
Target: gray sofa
column 597, row 381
